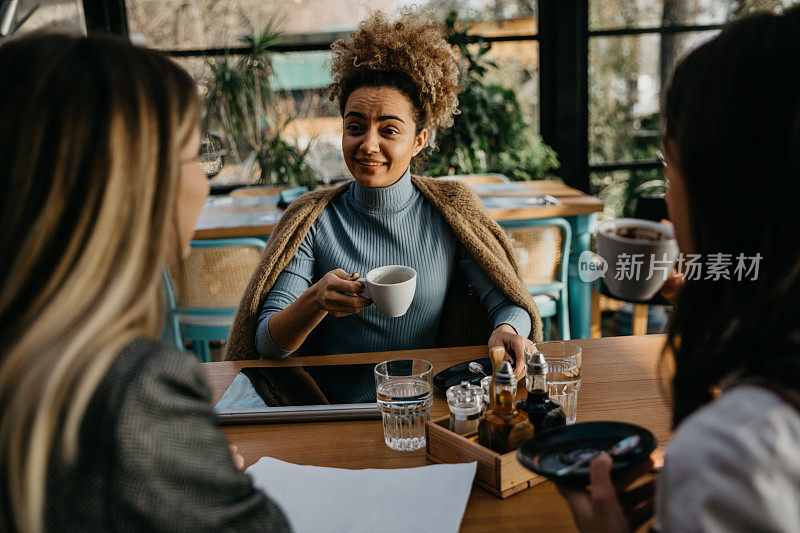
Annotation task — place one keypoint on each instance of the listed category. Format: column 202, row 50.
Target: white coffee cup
column 391, row 288
column 649, row 243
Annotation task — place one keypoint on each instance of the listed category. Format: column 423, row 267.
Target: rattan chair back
column 538, row 253
column 215, row 277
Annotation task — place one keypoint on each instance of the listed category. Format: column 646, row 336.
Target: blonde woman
column 101, row 427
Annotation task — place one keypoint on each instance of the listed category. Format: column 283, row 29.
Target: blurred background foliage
column 242, row 107
column 490, row 133
column 498, row 128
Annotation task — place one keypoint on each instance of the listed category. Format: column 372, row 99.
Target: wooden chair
column 204, row 290
column 542, row 250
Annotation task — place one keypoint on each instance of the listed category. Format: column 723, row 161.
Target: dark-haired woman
column 396, row 83
column 732, row 147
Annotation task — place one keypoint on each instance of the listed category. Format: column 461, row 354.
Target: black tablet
column 281, row 394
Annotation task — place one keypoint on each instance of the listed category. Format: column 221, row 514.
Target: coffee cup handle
column 365, row 291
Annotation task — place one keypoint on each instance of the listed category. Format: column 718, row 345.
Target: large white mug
column 391, row 288
column 649, row 250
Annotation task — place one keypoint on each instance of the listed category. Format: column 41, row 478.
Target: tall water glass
column 564, row 374
column 404, row 390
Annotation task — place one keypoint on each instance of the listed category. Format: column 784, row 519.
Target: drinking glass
column 564, row 375
column 403, row 388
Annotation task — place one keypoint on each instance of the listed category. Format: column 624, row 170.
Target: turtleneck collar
column 387, row 199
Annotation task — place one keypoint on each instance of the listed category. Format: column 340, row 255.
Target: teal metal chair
column 290, row 195
column 205, row 289
column 542, row 250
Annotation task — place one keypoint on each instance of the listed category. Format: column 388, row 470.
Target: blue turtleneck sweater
column 368, row 227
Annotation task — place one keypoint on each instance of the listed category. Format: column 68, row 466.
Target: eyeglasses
column 663, row 161
column 212, row 155
column 661, row 158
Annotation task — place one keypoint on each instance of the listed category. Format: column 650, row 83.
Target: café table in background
column 621, row 381
column 224, row 217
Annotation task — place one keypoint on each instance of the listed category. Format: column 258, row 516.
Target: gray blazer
column 152, row 458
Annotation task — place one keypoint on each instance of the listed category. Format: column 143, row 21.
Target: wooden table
column 225, row 217
column 620, row 381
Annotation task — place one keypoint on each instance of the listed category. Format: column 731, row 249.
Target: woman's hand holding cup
column 337, row 292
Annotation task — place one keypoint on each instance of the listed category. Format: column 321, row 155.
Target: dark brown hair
column 732, row 111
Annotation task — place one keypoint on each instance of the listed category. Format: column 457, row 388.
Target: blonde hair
column 414, row 46
column 88, row 215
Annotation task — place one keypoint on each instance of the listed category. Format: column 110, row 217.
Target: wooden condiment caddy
column 499, row 474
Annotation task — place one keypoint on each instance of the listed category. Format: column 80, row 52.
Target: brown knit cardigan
column 464, row 318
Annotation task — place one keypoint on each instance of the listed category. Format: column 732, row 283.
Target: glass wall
column 633, row 48
column 198, row 33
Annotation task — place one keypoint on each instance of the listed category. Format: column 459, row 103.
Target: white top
column 733, row 466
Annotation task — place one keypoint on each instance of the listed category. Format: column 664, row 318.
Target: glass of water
column 564, row 374
column 403, row 388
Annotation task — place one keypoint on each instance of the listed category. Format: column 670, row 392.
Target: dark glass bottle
column 543, row 412
column 504, row 429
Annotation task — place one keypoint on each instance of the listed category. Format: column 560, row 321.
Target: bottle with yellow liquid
column 503, row 428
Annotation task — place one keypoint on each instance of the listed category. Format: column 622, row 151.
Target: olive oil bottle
column 503, row 428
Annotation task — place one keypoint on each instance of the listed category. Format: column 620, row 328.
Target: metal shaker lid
column 536, row 363
column 505, row 375
column 464, row 392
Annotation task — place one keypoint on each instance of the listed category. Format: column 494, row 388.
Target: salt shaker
column 466, row 405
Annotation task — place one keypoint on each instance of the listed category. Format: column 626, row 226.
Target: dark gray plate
column 552, row 450
column 460, row 372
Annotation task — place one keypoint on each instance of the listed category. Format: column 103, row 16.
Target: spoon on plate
column 476, row 368
column 621, row 448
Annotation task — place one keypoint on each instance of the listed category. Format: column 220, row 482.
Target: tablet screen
column 266, row 387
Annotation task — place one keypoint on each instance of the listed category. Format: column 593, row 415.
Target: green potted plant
column 490, row 134
column 241, row 104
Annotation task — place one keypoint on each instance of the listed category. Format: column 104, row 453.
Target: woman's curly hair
column 410, row 54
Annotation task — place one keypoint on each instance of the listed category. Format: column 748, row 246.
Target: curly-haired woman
column 396, row 83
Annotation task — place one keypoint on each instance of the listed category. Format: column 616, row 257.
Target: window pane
column 517, row 62
column 607, row 14
column 51, row 15
column 300, row 77
column 178, row 24
column 612, row 14
column 621, row 189
column 480, row 9
column 625, row 83
column 306, row 114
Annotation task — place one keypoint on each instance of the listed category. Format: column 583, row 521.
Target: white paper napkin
column 319, row 499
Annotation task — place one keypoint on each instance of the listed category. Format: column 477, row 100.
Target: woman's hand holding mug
column 337, row 292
